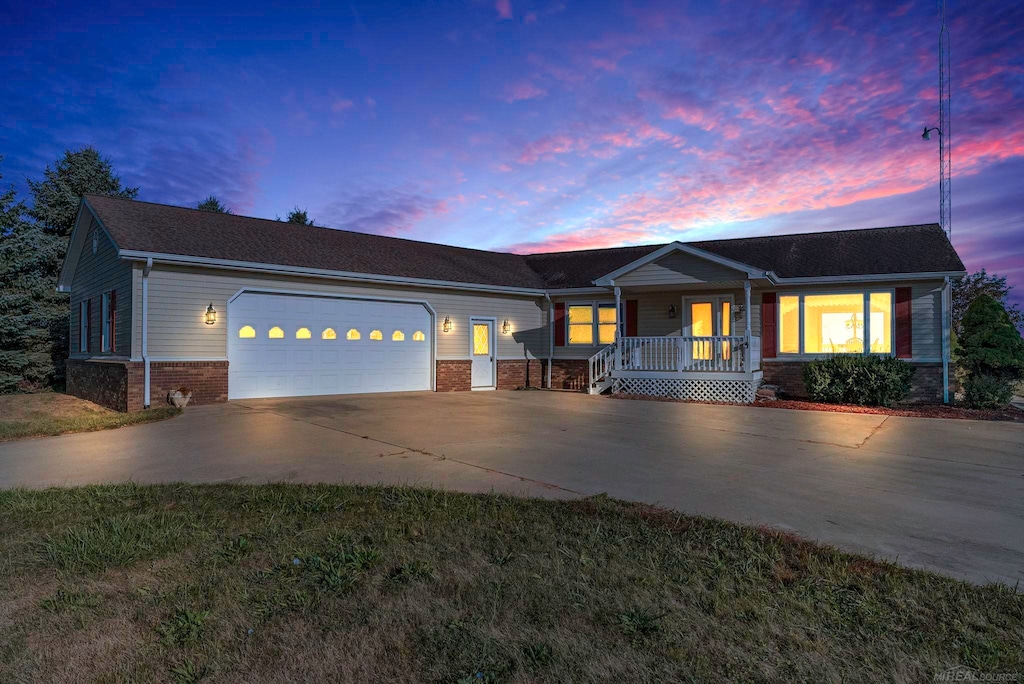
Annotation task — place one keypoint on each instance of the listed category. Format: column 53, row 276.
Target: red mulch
column 923, row 411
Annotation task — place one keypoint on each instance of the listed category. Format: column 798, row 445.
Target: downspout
column 145, row 329
column 551, row 337
column 946, row 324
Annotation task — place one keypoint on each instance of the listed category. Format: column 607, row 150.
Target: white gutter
column 869, row 278
column 551, row 336
column 947, row 314
column 145, row 330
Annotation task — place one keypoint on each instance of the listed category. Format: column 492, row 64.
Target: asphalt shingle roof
column 163, row 229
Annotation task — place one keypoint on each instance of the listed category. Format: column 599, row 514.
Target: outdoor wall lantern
column 447, row 324
column 672, row 311
column 211, row 315
column 737, row 311
column 505, row 327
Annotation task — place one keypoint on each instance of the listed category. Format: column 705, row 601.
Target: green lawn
column 47, row 414
column 364, row 584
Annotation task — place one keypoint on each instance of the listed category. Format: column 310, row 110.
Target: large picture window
column 836, row 323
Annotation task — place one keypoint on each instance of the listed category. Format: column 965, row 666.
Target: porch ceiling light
column 211, row 315
column 505, row 327
column 447, row 326
column 672, row 311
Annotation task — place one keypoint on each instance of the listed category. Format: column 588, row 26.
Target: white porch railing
column 721, row 353
column 668, row 355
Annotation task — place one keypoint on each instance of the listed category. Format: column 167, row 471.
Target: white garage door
column 289, row 346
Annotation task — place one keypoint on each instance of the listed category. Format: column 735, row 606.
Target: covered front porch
column 687, row 329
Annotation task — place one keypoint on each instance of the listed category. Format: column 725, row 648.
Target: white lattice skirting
column 732, row 391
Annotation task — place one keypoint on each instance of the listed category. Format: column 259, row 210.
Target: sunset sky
column 535, row 125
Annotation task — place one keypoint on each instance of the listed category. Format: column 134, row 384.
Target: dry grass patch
column 308, row 583
column 47, row 414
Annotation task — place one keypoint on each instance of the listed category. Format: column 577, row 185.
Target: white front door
column 482, row 350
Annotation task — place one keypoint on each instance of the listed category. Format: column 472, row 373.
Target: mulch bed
column 923, row 411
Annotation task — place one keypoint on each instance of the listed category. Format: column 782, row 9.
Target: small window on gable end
column 303, row 334
column 95, row 241
column 353, row 334
column 247, row 332
column 376, row 335
column 275, row 333
column 418, row 336
column 398, row 336
column 328, row 334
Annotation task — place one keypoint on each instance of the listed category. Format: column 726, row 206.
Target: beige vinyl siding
column 178, row 297
column 925, row 307
column 679, row 268
column 94, row 275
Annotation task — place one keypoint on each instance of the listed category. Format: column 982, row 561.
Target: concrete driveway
column 941, row 494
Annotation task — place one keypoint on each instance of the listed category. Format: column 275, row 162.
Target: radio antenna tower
column 943, row 129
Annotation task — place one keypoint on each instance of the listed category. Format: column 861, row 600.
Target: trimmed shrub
column 863, row 380
column 985, row 391
column 991, row 352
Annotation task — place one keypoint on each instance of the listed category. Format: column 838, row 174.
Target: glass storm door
column 709, row 318
column 482, row 352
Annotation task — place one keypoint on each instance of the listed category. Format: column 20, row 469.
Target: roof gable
column 679, row 263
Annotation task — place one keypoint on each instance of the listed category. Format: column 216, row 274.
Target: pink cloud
column 504, row 8
column 523, row 90
column 342, row 105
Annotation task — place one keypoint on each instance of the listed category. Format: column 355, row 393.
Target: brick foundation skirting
column 519, row 373
column 570, row 374
column 454, row 376
column 208, row 381
column 101, row 382
column 925, row 387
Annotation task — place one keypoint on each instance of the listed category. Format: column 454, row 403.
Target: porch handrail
column 602, row 362
column 673, row 353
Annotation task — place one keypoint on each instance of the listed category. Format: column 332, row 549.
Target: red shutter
column 113, row 321
column 904, row 324
column 631, row 318
column 88, row 325
column 560, row 324
column 769, row 318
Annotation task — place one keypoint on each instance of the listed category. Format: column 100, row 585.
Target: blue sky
column 534, row 125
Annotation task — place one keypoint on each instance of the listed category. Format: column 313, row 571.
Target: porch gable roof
column 748, row 272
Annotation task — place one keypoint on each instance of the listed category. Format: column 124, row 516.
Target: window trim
column 865, row 311
column 595, row 305
column 83, row 326
column 105, row 321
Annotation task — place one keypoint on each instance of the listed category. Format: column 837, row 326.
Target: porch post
column 618, row 326
column 747, row 351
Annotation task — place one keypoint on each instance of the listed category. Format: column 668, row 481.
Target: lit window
column 303, row 334
column 581, row 324
column 418, row 336
column 839, row 323
column 247, row 332
column 328, row 334
column 481, row 339
column 398, row 336
column 353, row 334
column 881, row 322
column 275, row 333
column 376, row 335
column 834, row 324
column 789, row 325
column 606, row 321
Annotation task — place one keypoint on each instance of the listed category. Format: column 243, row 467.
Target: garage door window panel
column 275, row 333
column 303, row 334
column 353, row 334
